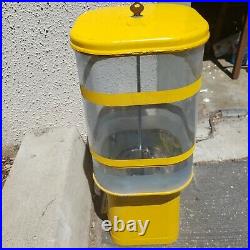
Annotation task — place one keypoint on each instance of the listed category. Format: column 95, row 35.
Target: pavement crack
column 217, row 116
column 47, row 206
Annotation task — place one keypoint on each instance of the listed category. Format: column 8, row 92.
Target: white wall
column 40, row 81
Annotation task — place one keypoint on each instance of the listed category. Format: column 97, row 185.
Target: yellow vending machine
column 140, row 72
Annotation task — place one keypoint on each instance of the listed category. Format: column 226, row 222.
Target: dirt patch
column 9, row 154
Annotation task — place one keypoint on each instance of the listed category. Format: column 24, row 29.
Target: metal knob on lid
column 137, row 9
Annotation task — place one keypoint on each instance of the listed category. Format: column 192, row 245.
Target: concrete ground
column 46, row 197
column 219, row 91
column 213, row 208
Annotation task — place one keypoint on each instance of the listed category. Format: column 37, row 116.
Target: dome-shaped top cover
column 160, row 27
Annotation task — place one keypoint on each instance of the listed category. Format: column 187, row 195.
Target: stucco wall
column 40, row 81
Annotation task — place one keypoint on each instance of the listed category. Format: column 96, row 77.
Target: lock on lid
column 138, row 29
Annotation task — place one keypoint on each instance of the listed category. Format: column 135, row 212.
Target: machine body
column 140, row 73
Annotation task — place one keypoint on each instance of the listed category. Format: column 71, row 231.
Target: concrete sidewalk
column 214, row 210
column 46, row 198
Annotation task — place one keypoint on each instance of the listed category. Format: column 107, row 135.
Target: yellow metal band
column 144, row 194
column 142, row 98
column 138, row 163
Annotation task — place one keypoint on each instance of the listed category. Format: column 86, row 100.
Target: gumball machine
column 140, row 72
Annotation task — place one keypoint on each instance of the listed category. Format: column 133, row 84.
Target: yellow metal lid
column 160, row 28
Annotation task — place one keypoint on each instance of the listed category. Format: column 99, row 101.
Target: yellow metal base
column 162, row 211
